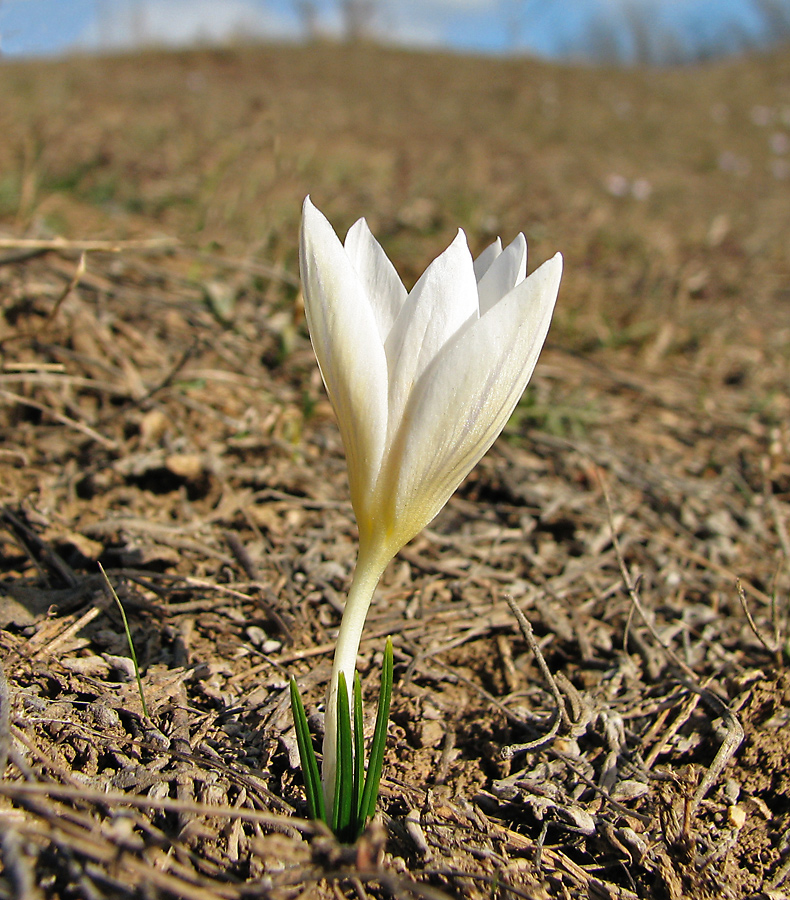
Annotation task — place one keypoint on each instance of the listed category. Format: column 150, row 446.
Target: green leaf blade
column 376, row 761
column 359, row 753
column 312, row 779
column 342, row 817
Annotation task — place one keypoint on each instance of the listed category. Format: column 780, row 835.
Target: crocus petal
column 487, row 257
column 504, row 273
column 377, row 274
column 463, row 401
column 348, row 348
column 443, row 299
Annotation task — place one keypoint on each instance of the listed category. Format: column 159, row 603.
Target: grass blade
column 312, row 779
column 129, row 640
column 342, row 817
column 371, row 791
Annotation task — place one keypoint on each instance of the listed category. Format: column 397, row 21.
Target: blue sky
column 550, row 28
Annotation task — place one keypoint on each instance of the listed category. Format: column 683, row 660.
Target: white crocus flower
column 422, row 382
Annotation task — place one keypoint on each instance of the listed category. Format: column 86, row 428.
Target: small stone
column 123, row 665
column 431, row 733
column 185, row 465
column 736, row 816
column 629, row 790
column 104, row 716
column 256, row 635
column 152, row 427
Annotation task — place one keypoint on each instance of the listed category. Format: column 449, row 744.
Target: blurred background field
column 666, row 190
column 161, row 413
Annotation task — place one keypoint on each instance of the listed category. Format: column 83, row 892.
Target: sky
column 549, row 28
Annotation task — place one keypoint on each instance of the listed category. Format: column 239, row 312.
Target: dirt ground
column 162, row 415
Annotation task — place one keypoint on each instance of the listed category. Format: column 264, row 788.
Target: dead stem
column 561, row 718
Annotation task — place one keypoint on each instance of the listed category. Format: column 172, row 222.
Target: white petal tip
column 553, row 266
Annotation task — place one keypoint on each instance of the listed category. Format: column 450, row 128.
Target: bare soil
column 162, row 415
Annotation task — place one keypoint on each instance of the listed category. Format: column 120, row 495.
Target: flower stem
column 366, row 577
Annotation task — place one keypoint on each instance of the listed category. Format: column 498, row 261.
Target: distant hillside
column 659, row 186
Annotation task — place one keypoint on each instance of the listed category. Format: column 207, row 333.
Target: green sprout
column 356, row 789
